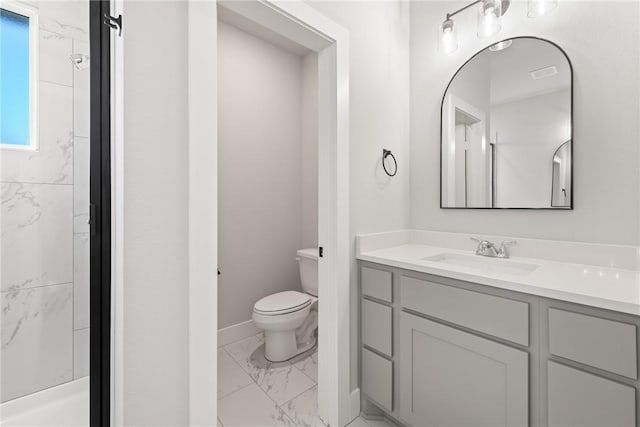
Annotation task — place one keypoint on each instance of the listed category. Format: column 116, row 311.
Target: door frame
column 100, row 216
column 450, row 104
column 303, row 24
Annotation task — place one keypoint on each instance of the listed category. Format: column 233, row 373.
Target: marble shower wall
column 44, row 232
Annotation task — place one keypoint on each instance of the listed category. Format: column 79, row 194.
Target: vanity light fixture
column 449, row 39
column 490, row 15
column 500, row 45
column 538, row 8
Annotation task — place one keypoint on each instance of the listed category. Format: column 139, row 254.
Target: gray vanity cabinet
column 590, row 369
column 602, row 343
column 439, row 352
column 453, row 378
column 576, row 398
column 377, row 363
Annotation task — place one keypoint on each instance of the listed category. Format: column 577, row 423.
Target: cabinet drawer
column 377, row 379
column 601, row 343
column 577, row 398
column 500, row 317
column 376, row 283
column 377, row 326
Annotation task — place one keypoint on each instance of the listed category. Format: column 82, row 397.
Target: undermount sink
column 485, row 265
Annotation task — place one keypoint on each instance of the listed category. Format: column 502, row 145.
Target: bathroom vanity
column 449, row 338
column 546, row 338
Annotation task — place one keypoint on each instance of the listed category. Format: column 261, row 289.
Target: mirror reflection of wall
column 504, row 115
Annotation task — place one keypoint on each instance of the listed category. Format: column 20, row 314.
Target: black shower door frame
column 100, row 216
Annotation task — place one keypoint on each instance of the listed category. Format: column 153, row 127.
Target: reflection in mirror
column 561, row 179
column 504, row 115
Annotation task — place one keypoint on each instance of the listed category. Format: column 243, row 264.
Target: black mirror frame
column 571, row 207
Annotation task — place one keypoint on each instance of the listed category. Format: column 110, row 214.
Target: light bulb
column 489, row 16
column 449, row 39
column 537, row 8
column 500, row 45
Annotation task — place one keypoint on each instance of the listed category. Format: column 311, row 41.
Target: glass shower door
column 44, row 212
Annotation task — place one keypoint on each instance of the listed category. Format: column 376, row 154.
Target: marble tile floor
column 253, row 392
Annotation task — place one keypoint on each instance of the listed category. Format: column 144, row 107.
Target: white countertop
column 609, row 288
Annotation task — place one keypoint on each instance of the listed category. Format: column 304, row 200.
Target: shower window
column 18, row 76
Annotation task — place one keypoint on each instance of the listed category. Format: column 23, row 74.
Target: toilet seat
column 282, row 303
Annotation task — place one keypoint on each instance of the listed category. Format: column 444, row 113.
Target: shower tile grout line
column 56, row 83
column 35, row 287
column 36, row 183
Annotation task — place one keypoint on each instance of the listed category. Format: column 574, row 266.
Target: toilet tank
column 308, row 264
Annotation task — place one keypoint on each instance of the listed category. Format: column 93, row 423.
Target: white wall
column 379, row 118
column 155, row 214
column 599, row 38
column 155, row 312
column 267, row 169
column 529, row 132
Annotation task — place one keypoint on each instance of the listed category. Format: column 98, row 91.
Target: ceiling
column 510, row 70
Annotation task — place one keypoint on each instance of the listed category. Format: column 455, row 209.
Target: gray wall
column 265, row 189
column 602, row 41
column 309, row 162
column 155, row 214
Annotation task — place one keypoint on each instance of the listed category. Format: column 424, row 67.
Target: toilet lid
column 283, row 302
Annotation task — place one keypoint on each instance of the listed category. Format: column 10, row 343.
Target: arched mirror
column 505, row 114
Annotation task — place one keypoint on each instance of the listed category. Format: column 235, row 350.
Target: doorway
column 301, row 23
column 267, row 226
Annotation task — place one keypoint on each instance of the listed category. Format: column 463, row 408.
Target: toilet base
column 281, row 345
column 307, row 346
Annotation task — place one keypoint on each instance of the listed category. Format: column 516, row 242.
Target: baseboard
column 355, row 403
column 236, row 332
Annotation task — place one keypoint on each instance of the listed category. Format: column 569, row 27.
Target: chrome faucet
column 485, row 248
column 488, row 249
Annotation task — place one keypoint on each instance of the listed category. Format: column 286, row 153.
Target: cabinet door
column 579, row 399
column 452, row 378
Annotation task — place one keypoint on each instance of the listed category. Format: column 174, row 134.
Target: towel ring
column 385, row 154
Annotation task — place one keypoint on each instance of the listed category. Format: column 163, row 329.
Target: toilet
column 289, row 319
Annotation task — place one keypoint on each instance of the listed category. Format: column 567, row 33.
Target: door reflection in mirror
column 504, row 115
column 561, row 179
